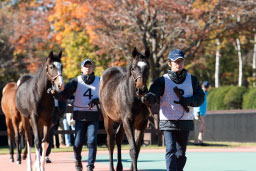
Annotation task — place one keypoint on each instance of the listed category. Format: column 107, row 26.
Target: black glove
column 93, row 102
column 181, row 101
column 149, row 99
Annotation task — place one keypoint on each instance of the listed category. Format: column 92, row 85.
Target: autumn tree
column 71, row 35
column 159, row 25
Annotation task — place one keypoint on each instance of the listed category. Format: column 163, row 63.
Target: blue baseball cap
column 206, row 84
column 85, row 61
column 175, row 54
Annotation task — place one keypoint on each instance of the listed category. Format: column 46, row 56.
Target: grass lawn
column 5, row 149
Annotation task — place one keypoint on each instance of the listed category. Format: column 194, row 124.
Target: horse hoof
column 12, row 160
column 18, row 162
column 24, row 157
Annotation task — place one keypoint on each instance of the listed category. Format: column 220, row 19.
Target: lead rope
column 151, row 114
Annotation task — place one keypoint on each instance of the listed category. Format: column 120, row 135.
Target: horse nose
column 60, row 87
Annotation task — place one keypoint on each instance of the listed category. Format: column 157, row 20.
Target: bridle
column 133, row 77
column 51, row 78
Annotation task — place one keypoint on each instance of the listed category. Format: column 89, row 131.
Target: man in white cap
column 84, row 88
column 176, row 113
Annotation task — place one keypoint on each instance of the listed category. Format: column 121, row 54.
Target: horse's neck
column 131, row 86
column 41, row 82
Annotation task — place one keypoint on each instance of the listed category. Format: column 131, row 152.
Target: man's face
column 87, row 69
column 176, row 66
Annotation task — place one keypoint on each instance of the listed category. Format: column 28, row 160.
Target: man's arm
column 155, row 92
column 198, row 94
column 69, row 90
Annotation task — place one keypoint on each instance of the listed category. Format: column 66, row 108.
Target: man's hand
column 181, row 101
column 149, row 99
column 51, row 91
column 198, row 115
column 93, row 102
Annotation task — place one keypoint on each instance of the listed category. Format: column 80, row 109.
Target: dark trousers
column 176, row 145
column 51, row 135
column 81, row 127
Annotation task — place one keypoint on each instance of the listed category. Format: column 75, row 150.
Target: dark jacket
column 157, row 89
column 68, row 92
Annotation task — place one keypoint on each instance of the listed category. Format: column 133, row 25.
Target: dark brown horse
column 120, row 98
column 34, row 103
column 13, row 121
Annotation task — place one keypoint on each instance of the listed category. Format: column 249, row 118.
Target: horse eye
column 51, row 67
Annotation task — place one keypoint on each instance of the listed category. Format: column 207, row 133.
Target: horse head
column 140, row 71
column 53, row 69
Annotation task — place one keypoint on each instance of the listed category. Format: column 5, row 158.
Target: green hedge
column 226, row 97
column 249, row 101
column 234, row 97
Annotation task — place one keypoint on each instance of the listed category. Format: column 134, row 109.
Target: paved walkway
column 204, row 159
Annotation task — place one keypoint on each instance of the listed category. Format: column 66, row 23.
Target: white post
column 217, row 64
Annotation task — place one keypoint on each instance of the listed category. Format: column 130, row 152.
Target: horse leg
column 119, row 139
column 22, row 133
column 17, row 140
column 138, row 139
column 10, row 138
column 108, row 123
column 28, row 137
column 34, row 125
column 129, row 130
column 45, row 144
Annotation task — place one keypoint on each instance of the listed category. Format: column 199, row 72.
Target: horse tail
column 23, row 79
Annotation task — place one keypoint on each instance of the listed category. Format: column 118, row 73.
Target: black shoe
column 79, row 166
column 89, row 168
column 47, row 160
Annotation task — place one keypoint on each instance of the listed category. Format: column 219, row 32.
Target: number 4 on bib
column 88, row 93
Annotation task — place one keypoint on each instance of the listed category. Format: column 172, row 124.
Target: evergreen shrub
column 234, row 97
column 249, row 100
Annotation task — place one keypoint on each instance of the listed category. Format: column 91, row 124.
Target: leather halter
column 137, row 90
column 133, row 77
column 51, row 78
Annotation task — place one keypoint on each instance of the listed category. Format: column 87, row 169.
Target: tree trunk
column 240, row 60
column 254, row 61
column 217, row 64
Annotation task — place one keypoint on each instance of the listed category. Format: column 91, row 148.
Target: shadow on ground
column 209, row 145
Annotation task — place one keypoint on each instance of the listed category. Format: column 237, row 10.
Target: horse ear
column 51, row 54
column 60, row 54
column 147, row 53
column 134, row 52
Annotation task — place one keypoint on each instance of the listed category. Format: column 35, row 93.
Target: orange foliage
column 32, row 64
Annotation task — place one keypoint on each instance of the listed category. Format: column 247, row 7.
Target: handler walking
column 85, row 90
column 199, row 114
column 175, row 122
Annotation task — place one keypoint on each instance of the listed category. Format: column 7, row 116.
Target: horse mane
column 23, row 79
column 41, row 68
column 128, row 68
